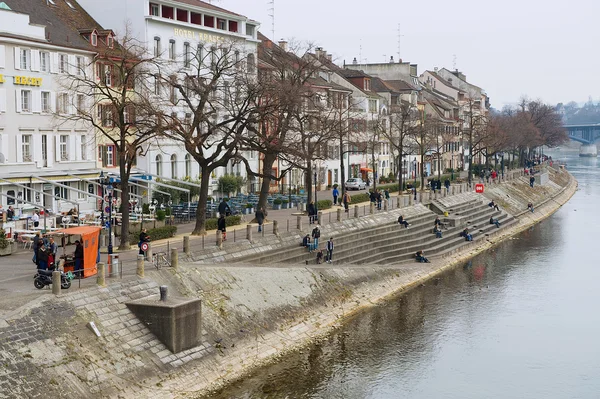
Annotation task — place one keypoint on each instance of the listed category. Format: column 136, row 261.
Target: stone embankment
column 257, row 303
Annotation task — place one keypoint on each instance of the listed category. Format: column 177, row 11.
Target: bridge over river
column 587, row 134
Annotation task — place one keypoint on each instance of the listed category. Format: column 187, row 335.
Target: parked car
column 356, row 183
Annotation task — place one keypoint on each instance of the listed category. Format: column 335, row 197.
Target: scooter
column 44, row 278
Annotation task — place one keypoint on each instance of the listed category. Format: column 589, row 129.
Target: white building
column 36, row 48
column 177, row 30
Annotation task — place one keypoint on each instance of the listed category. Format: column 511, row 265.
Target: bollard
column 411, row 200
column 219, row 239
column 114, row 266
column 186, row 245
column 55, row 281
column 355, row 211
column 299, row 222
column 163, row 293
column 100, row 278
column 249, row 233
column 275, row 227
column 339, row 215
column 371, row 208
column 174, row 259
column 385, row 205
column 320, row 218
column 400, row 201
column 149, row 252
column 140, row 266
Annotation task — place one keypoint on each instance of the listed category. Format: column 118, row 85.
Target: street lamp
column 109, row 192
column 415, row 169
column 102, row 203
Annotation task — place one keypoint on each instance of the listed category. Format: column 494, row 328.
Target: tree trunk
column 200, row 228
column 400, row 182
column 267, row 167
column 124, row 173
column 342, row 167
column 374, row 168
column 308, row 182
column 421, row 171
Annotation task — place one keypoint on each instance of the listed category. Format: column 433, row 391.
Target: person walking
column 35, row 218
column 531, row 181
column 346, row 200
column 52, row 252
column 335, row 193
column 222, row 226
column 224, row 208
column 329, row 248
column 316, row 234
column 447, row 184
column 42, row 256
column 379, row 199
column 260, row 218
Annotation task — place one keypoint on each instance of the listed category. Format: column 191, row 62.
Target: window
column 82, row 187
column 80, row 66
column 159, row 165
column 26, row 147
column 110, row 155
column 62, row 103
column 46, row 102
column 63, row 63
column 172, row 52
column 129, row 114
column 167, row 12
column 83, row 147
column 221, row 24
column 186, row 55
column 250, row 63
column 108, row 75
column 154, row 10
column 94, row 39
column 64, row 147
column 25, row 100
column 157, row 46
column 61, row 192
column 80, row 104
column 105, row 115
column 372, row 105
column 110, row 41
column 196, row 18
column 173, row 166
column 182, row 15
column 188, row 165
column 44, row 61
column 25, row 59
column 200, row 55
column 368, row 84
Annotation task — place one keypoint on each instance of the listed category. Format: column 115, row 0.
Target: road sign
column 107, row 209
column 107, row 225
column 144, row 246
column 479, row 188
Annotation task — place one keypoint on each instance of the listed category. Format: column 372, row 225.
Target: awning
column 366, row 169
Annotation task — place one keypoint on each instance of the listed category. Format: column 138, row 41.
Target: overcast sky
column 546, row 49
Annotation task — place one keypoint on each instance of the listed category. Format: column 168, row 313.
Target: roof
column 353, row 73
column 208, row 6
column 319, row 81
column 63, row 23
column 400, row 85
column 444, row 81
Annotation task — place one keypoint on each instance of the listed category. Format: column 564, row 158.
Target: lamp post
column 109, row 191
column 102, row 203
column 415, row 186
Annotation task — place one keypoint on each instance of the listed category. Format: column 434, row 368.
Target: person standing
column 447, row 184
column 10, row 213
column 531, row 181
column 335, row 193
column 329, row 248
column 52, row 252
column 35, row 218
column 312, row 211
column 42, row 256
column 222, row 226
column 144, row 237
column 78, row 257
column 346, row 200
column 260, row 218
column 224, row 208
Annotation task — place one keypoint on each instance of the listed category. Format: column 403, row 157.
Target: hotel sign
column 27, row 81
column 200, row 36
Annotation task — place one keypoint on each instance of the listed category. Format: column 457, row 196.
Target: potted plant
column 249, row 209
column 5, row 244
column 285, row 204
column 277, row 204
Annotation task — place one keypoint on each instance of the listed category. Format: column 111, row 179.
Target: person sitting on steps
column 402, row 222
column 530, row 207
column 493, row 205
column 494, row 221
column 438, row 231
column 420, row 256
column 465, row 233
column 306, row 242
column 437, row 222
column 319, row 257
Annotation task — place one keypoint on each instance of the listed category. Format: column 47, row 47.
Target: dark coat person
column 224, row 208
column 78, row 256
column 260, row 218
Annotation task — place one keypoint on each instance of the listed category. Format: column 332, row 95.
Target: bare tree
column 475, row 130
column 112, row 96
column 214, row 99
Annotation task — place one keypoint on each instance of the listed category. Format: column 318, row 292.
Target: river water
column 519, row 321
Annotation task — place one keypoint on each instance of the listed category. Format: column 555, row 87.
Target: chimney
column 392, row 59
column 330, row 57
column 283, row 44
column 319, row 52
column 435, row 69
column 354, row 62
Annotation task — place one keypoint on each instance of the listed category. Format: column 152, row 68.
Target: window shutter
column 54, row 62
column 36, row 105
column 17, row 58
column 35, row 60
column 71, row 106
column 2, row 100
column 52, row 101
column 104, row 156
column 18, row 100
column 57, row 148
column 72, row 67
column 19, row 148
column 2, row 56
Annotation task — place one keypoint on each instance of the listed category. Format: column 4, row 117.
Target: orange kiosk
column 90, row 239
